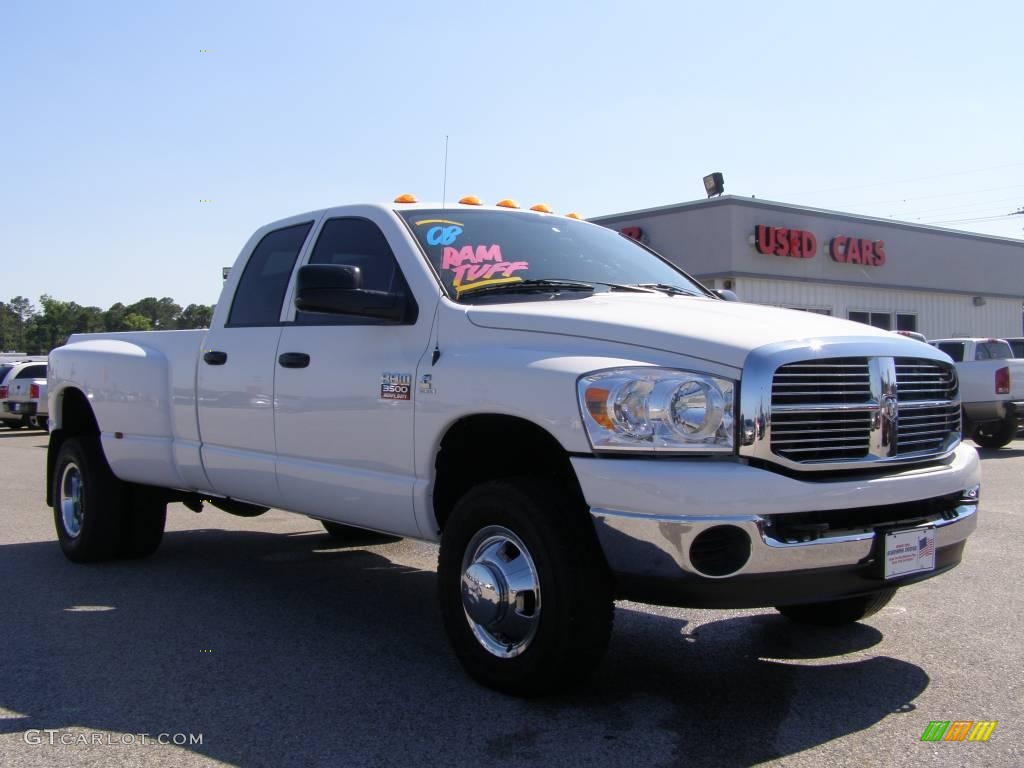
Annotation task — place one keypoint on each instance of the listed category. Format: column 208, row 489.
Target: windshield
column 470, row 250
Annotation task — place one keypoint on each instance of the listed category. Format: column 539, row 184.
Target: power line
column 919, row 178
column 944, row 194
column 979, row 219
column 1002, row 202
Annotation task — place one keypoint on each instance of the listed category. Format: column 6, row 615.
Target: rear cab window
column 260, row 292
column 993, row 350
column 954, row 349
column 31, row 372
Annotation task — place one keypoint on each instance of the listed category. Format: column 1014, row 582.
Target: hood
column 719, row 331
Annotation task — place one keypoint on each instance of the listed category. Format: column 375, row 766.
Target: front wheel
column 837, row 613
column 996, row 434
column 525, row 594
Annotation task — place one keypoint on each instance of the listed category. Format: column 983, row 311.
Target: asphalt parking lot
column 281, row 648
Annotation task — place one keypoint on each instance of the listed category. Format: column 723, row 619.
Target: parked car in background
column 27, row 398
column 22, row 387
column 991, row 388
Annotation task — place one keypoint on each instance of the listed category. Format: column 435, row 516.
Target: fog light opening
column 720, row 551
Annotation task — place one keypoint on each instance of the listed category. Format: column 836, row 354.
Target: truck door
column 344, row 395
column 235, row 381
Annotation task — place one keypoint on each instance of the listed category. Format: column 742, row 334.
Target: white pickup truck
column 23, row 397
column 991, row 388
column 571, row 416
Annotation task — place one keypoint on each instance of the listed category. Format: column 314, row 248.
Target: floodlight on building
column 714, row 184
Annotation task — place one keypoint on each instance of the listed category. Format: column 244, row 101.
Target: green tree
column 22, row 311
column 135, row 322
column 196, row 316
column 9, row 333
column 162, row 313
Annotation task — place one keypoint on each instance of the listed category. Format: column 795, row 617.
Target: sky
column 120, row 120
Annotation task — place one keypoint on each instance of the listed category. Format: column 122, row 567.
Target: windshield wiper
column 554, row 284
column 526, row 286
column 671, row 290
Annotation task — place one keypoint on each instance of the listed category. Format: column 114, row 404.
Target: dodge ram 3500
column 571, row 416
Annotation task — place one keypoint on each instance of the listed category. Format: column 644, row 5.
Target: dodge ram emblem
column 890, row 407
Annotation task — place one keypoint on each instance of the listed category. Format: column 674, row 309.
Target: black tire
column 837, row 613
column 91, row 529
column 353, row 535
column 574, row 609
column 142, row 528
column 995, row 434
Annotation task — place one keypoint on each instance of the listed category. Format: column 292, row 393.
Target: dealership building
column 890, row 274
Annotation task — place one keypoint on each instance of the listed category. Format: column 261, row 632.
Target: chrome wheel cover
column 72, row 511
column 500, row 591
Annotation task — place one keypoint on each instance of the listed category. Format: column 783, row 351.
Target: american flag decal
column 926, row 546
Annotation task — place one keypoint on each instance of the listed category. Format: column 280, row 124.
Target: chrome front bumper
column 655, row 550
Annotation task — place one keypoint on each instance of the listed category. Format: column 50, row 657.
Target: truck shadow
column 286, row 649
column 23, row 433
column 1000, row 453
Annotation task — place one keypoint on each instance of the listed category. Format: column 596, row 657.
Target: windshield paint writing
column 473, row 248
column 441, row 235
column 474, row 266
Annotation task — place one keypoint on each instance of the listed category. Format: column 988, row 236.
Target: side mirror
column 726, row 294
column 337, row 289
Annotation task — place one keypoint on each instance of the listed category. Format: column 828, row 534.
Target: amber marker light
column 406, row 198
column 573, row 215
column 541, row 208
column 470, row 200
column 596, row 399
column 507, row 203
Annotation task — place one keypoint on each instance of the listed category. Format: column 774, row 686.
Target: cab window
column 993, row 350
column 359, row 243
column 261, row 290
column 953, row 349
column 32, row 372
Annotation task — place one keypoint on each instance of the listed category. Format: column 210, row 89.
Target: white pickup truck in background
column 23, row 396
column 570, row 416
column 991, row 388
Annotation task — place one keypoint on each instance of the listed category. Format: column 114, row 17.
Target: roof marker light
column 541, row 208
column 470, row 200
column 507, row 203
column 406, row 198
column 573, row 215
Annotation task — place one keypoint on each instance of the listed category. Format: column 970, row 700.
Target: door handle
column 215, row 358
column 293, row 360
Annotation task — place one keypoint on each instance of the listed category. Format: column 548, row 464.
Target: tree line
column 36, row 330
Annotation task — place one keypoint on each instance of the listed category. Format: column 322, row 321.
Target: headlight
column 657, row 409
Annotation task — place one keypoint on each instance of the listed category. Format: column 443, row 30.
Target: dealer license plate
column 15, row 407
column 909, row 552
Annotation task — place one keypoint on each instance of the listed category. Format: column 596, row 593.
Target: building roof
column 753, row 202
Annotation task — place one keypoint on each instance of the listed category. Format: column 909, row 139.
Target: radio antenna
column 444, row 175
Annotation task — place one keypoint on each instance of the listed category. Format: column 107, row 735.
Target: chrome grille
column 929, row 409
column 863, row 409
column 841, row 380
column 924, row 380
